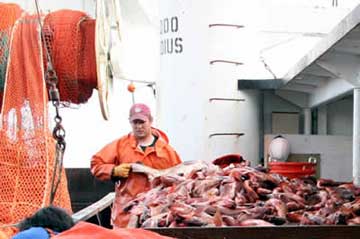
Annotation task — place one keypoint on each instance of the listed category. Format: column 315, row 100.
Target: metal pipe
column 356, row 138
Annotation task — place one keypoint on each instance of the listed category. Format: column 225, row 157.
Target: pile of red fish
column 235, row 194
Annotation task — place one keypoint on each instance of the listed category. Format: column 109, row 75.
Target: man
column 144, row 144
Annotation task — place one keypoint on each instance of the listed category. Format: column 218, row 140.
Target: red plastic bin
column 293, row 169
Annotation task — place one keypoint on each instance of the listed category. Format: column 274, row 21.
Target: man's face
column 141, row 129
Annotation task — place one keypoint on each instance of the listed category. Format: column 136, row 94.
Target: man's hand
column 122, row 170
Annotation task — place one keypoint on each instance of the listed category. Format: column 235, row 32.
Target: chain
column 58, row 131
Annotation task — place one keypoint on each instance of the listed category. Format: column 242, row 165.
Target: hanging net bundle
column 9, row 13
column 27, row 146
column 70, row 40
column 70, row 37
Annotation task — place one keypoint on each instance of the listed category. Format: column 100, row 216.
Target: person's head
column 51, row 217
column 141, row 120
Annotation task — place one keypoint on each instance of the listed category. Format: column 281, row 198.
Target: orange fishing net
column 70, row 37
column 27, row 148
column 9, row 13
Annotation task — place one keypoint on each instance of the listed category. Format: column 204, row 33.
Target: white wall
column 188, row 81
column 183, row 77
column 235, row 117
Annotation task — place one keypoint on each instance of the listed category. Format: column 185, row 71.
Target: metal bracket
column 226, row 134
column 226, row 25
column 226, row 61
column 226, row 99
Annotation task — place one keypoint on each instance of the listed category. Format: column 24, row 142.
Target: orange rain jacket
column 125, row 150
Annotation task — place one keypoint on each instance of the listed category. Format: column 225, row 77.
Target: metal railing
column 94, row 209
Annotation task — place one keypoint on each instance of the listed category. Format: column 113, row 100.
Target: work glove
column 122, row 170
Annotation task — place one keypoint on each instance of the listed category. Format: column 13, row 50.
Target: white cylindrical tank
column 198, row 103
column 279, row 149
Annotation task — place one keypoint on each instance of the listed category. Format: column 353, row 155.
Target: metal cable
column 58, row 131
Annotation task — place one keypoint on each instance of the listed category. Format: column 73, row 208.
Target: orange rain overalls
column 125, row 150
